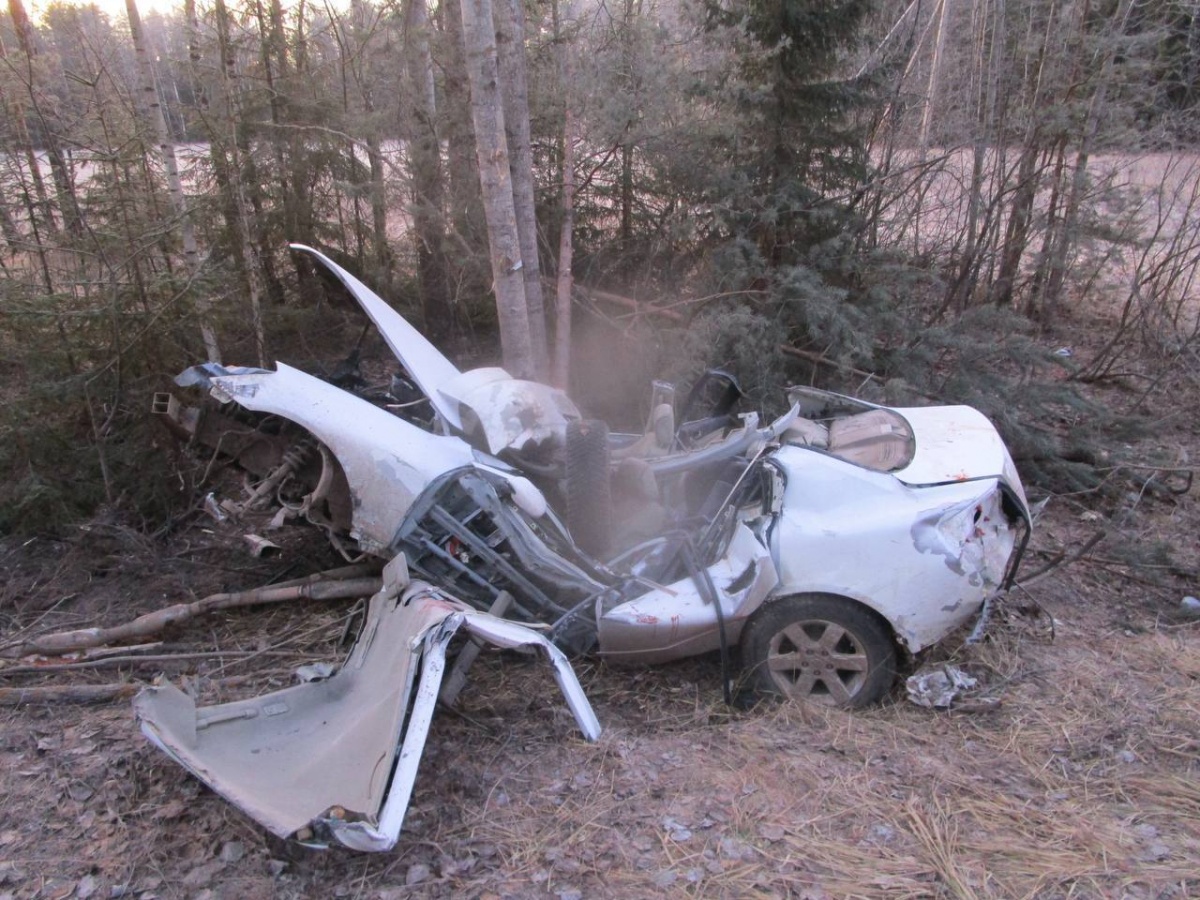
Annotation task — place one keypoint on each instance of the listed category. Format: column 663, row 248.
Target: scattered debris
column 940, row 687
column 318, row 671
column 335, row 760
column 213, row 508
column 260, row 546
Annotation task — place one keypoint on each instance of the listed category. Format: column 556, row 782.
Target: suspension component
column 293, row 458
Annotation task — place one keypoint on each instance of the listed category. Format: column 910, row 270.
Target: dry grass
column 1041, row 799
column 1083, row 783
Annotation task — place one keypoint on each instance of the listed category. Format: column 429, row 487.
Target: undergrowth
column 869, row 328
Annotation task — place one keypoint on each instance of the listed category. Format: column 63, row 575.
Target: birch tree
column 495, row 180
column 510, row 38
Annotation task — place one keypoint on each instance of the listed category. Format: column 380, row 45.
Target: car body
column 825, row 544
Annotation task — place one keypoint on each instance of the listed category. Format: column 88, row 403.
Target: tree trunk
column 428, row 188
column 566, row 252
column 510, row 39
column 629, row 67
column 495, row 181
column 626, row 195
column 1067, row 237
column 166, row 150
column 15, row 109
column 273, row 55
column 41, row 251
column 300, row 197
column 566, row 243
column 939, row 42
column 1058, row 153
column 379, row 218
column 360, row 56
column 64, row 188
column 8, row 227
column 465, row 220
column 240, row 221
column 1016, row 235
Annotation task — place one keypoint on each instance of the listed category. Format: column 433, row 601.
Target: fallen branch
column 1063, row 559
column 821, row 360
column 631, row 303
column 68, row 693
column 152, row 623
column 1187, row 473
column 1170, row 470
column 157, row 660
column 824, row 361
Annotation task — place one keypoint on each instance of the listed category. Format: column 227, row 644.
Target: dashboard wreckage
column 814, row 552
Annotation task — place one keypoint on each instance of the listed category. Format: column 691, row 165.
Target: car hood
column 958, row 443
column 510, row 412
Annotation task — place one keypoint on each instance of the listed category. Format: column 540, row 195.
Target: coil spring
column 298, row 454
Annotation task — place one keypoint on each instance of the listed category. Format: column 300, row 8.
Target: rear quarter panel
column 864, row 535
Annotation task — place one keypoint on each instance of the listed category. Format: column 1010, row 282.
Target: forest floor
column 1084, row 780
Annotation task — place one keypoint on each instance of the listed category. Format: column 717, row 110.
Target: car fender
column 388, row 462
column 922, row 558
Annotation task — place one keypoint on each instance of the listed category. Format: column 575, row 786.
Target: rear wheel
column 820, row 648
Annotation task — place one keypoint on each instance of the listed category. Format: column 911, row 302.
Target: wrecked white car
column 816, row 551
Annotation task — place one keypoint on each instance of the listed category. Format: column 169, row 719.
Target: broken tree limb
column 14, row 647
column 630, row 303
column 821, row 360
column 355, row 570
column 1062, row 559
column 152, row 623
column 68, row 693
column 156, row 660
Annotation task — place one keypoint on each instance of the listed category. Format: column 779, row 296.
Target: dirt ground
column 1082, row 782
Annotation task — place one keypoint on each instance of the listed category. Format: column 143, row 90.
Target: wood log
column 154, row 622
column 68, row 693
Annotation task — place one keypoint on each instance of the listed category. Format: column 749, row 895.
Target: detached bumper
column 336, row 760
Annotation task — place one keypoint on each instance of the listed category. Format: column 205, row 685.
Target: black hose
column 704, row 583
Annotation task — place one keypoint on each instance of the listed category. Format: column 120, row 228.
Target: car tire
column 587, row 487
column 820, row 648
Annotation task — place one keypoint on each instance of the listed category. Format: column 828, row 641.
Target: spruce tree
column 797, row 153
